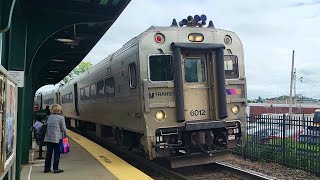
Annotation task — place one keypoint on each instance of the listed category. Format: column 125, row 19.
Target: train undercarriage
column 194, row 144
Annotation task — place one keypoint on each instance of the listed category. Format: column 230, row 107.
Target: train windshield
column 231, row 67
column 194, row 70
column 160, row 68
column 316, row 117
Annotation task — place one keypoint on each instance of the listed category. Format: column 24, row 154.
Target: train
column 176, row 92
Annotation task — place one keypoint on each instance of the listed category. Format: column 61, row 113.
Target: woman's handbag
column 64, row 144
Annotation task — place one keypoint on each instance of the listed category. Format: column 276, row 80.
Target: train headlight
column 235, row 109
column 160, row 115
column 195, row 37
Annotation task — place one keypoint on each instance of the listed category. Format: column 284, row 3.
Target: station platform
column 85, row 161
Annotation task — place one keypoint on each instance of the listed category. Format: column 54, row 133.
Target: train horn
column 196, row 19
column 190, row 19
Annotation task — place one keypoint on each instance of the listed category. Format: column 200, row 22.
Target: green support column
column 17, row 61
column 27, row 118
column 5, row 49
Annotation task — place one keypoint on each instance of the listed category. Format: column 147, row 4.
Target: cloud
column 305, row 3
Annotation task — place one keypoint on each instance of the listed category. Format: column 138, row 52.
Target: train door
column 41, row 103
column 196, row 87
column 76, row 104
column 199, row 81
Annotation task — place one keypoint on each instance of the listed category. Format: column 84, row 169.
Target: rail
column 241, row 173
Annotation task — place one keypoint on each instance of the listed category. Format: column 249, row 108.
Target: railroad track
column 240, row 173
column 149, row 166
column 138, row 161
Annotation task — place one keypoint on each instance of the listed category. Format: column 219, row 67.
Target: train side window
column 109, row 87
column 100, row 89
column 87, row 93
column 132, row 75
column 93, row 91
column 194, row 70
column 71, row 97
column 231, row 67
column 62, row 99
column 51, row 101
column 67, row 98
column 160, row 68
column 82, row 96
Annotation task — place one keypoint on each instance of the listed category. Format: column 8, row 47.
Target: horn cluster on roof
column 193, row 21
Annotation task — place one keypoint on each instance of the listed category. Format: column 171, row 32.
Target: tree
column 260, row 100
column 82, row 67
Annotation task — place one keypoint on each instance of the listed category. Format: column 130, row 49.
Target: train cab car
column 175, row 92
column 194, row 92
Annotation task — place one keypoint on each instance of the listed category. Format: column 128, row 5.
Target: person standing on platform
column 56, row 127
column 35, row 107
column 47, row 110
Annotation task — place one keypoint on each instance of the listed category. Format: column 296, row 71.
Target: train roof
column 132, row 42
column 109, row 58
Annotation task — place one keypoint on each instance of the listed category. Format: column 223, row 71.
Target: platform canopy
column 59, row 33
column 44, row 41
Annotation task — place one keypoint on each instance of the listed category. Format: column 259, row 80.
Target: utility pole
column 295, row 85
column 291, row 79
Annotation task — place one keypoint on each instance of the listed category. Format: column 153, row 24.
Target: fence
column 291, row 141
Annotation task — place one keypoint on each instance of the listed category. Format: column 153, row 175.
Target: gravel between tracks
column 272, row 169
column 204, row 172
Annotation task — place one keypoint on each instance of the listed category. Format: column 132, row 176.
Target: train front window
column 317, row 117
column 231, row 67
column 194, row 70
column 160, row 68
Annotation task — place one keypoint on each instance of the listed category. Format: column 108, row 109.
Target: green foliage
column 284, row 151
column 82, row 67
column 259, row 100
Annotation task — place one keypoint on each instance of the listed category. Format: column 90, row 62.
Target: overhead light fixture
column 57, row 60
column 54, row 71
column 65, row 40
column 49, row 78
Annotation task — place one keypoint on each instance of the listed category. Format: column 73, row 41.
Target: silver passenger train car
column 177, row 92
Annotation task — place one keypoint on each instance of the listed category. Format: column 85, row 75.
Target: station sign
column 18, row 76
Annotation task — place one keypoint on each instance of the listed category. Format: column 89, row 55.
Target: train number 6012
column 197, row 112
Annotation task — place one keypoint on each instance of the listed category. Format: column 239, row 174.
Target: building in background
column 264, row 108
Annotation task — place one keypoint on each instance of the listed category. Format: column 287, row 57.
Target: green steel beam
column 39, row 34
column 17, row 58
column 28, row 117
column 6, row 9
column 5, row 49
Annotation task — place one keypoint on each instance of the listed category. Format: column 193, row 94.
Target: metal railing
column 291, row 141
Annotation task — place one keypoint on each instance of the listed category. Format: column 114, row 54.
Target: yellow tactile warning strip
column 120, row 168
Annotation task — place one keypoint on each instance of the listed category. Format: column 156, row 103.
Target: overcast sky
column 269, row 31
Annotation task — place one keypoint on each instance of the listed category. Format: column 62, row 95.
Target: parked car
column 310, row 136
column 289, row 133
column 253, row 128
column 264, row 135
column 253, row 125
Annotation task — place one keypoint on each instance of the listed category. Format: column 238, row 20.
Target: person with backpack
column 56, row 128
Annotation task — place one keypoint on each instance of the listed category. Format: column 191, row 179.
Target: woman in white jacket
column 56, row 127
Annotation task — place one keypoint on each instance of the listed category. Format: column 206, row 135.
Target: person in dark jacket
column 56, row 127
column 47, row 110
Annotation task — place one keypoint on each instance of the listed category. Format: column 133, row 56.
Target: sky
column 269, row 30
